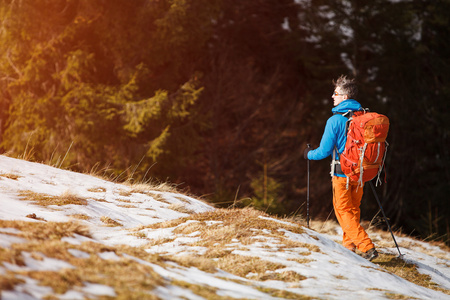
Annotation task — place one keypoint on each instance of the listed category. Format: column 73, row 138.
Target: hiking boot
column 370, row 254
column 351, row 247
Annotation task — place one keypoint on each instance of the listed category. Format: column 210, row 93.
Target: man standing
column 347, row 194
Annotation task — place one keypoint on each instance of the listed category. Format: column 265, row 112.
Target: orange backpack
column 365, row 149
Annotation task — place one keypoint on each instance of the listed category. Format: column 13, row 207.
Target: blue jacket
column 335, row 134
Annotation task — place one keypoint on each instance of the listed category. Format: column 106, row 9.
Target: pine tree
column 111, row 82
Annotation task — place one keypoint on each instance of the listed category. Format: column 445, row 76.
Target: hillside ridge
column 66, row 235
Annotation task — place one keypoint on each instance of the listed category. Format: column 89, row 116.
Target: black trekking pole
column 307, row 191
column 385, row 219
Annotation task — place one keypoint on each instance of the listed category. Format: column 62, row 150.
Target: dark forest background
column 222, row 96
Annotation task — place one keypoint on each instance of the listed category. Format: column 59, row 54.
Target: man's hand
column 305, row 153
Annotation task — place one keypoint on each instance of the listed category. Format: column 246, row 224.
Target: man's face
column 338, row 96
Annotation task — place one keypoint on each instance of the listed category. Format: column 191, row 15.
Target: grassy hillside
column 72, row 236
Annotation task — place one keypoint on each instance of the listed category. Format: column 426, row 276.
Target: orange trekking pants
column 346, row 204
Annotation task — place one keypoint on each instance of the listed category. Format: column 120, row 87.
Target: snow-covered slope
column 65, row 235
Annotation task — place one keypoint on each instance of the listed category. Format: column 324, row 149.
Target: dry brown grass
column 183, row 200
column 221, row 228
column 246, row 219
column 94, row 269
column 124, row 193
column 407, row 271
column 326, row 227
column 399, row 296
column 110, row 222
column 210, row 293
column 10, row 176
column 189, row 228
column 159, row 198
column 65, row 198
column 46, row 231
column 243, row 265
column 180, row 208
column 140, row 235
column 159, row 241
column 200, row 262
column 207, row 292
column 145, row 188
column 390, row 295
column 127, row 206
column 288, row 243
column 285, row 276
column 152, row 189
column 238, row 225
column 8, row 281
column 283, row 294
column 80, row 217
column 11, row 256
column 166, row 224
column 302, row 260
column 124, row 200
column 97, row 190
column 44, row 240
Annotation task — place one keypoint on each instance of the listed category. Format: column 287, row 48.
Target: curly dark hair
column 348, row 86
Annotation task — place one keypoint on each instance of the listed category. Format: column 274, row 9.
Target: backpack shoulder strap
column 348, row 114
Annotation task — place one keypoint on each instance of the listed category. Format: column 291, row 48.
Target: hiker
column 347, row 194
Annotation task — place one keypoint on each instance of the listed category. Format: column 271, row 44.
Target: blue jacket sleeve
column 333, row 136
